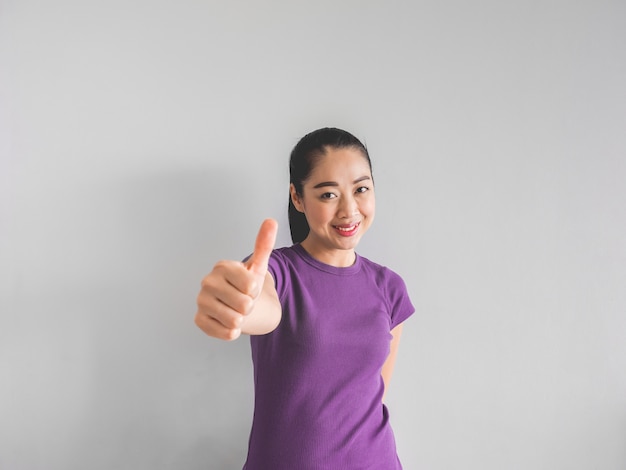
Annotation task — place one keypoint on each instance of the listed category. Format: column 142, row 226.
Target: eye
column 328, row 196
column 362, row 189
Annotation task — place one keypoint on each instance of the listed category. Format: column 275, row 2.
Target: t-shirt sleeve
column 278, row 268
column 400, row 306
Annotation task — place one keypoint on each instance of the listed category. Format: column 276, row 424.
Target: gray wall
column 142, row 141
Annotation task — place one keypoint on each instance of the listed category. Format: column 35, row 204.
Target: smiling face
column 339, row 204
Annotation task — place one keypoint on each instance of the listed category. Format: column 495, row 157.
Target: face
column 339, row 204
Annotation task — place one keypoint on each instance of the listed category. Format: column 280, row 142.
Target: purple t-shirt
column 317, row 376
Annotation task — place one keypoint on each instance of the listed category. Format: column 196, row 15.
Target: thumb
column 263, row 247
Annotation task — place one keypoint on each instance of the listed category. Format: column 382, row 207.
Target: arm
column 267, row 311
column 389, row 364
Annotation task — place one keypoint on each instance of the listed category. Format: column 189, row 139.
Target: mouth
column 347, row 230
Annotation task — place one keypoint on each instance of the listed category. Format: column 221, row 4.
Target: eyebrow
column 333, row 183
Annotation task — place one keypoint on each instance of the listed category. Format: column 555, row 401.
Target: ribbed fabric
column 318, row 384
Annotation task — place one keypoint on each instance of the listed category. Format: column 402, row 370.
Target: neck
column 337, row 258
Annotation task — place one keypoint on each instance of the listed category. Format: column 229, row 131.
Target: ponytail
column 298, row 224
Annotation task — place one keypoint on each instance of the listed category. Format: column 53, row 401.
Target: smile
column 347, row 230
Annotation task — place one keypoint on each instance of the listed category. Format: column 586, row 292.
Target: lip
column 347, row 230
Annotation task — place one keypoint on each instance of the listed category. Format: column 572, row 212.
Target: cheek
column 369, row 207
column 326, row 212
column 317, row 212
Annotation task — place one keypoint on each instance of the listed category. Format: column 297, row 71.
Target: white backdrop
column 141, row 141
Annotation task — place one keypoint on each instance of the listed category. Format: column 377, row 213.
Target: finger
column 229, row 275
column 218, row 293
column 228, row 316
column 238, row 302
column 215, row 329
column 220, row 312
column 263, row 247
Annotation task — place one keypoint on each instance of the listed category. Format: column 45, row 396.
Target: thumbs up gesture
column 240, row 297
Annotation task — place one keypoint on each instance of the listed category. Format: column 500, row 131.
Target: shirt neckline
column 346, row 271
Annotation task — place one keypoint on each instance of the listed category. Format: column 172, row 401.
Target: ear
column 295, row 198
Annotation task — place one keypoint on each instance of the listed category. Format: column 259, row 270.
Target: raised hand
column 231, row 291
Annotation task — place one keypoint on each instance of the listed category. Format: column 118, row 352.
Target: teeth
column 347, row 229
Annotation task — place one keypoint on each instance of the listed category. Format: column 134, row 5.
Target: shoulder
column 382, row 274
column 282, row 264
column 394, row 291
column 280, row 259
column 284, row 255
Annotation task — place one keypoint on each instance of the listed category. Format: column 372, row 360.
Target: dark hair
column 303, row 158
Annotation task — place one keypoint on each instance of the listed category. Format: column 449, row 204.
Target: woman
column 325, row 323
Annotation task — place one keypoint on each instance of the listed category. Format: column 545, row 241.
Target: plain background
column 141, row 141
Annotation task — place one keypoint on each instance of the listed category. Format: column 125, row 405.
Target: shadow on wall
column 162, row 394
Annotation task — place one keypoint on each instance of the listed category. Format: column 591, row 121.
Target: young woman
column 325, row 322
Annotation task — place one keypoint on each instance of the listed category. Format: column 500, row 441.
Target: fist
column 230, row 291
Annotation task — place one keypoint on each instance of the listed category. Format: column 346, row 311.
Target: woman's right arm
column 240, row 297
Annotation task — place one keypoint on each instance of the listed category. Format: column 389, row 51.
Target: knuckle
column 249, row 305
column 232, row 334
column 216, row 329
column 252, row 287
column 222, row 265
column 204, row 301
column 218, row 265
column 236, row 321
column 208, row 282
column 245, row 304
column 203, row 320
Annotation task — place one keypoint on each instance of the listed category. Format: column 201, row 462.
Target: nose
column 348, row 207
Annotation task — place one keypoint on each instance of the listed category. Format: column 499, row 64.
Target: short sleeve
column 278, row 268
column 400, row 306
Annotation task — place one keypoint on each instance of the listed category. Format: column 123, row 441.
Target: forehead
column 340, row 164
